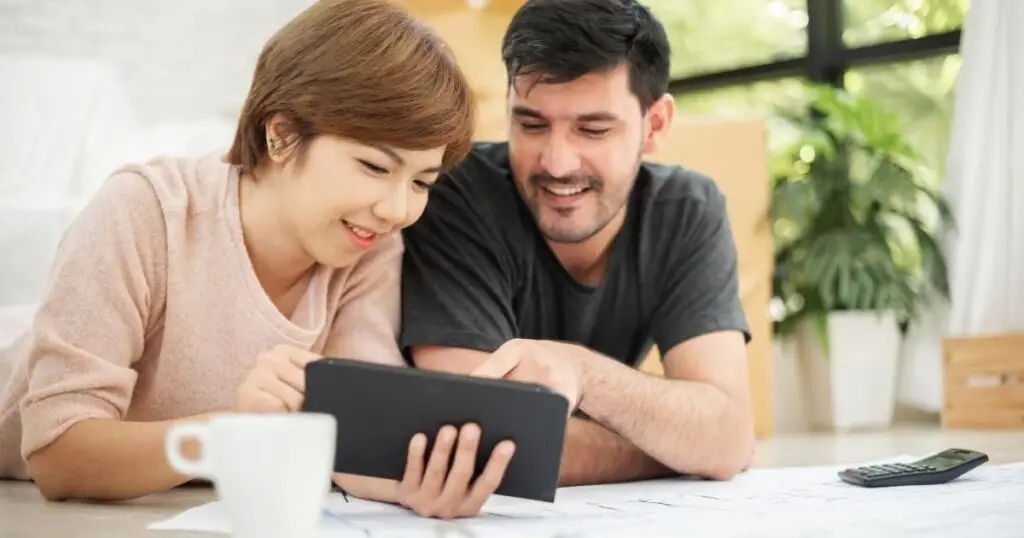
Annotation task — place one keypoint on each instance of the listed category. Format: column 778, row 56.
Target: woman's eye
column 373, row 168
column 423, row 185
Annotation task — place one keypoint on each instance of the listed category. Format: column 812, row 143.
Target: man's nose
column 560, row 158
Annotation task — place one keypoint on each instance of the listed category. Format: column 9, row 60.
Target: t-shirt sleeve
column 367, row 319
column 105, row 283
column 699, row 282
column 457, row 273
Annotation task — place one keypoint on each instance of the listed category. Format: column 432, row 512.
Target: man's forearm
column 594, row 454
column 690, row 427
column 107, row 460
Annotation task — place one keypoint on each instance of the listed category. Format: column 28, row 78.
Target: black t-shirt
column 477, row 272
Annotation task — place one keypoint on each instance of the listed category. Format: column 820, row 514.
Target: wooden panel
column 475, row 38
column 984, row 382
column 732, row 152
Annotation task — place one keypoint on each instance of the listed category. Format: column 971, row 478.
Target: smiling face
column 342, row 196
column 576, row 147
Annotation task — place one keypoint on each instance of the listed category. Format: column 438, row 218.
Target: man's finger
column 497, row 365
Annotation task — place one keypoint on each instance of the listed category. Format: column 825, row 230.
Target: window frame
column 827, row 58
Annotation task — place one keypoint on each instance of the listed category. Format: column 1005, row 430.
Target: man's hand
column 278, row 382
column 443, row 491
column 536, row 361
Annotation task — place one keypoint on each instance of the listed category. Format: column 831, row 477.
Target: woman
column 190, row 287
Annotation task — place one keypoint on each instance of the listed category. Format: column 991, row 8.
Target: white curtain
column 985, row 185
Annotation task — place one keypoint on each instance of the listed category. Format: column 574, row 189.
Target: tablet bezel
column 362, row 396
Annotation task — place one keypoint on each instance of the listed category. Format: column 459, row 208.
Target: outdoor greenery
column 854, row 214
column 716, row 35
column 854, row 206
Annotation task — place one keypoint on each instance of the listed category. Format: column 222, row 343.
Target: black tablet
column 379, row 408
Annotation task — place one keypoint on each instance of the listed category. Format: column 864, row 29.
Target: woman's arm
column 107, row 460
column 369, row 488
column 103, row 297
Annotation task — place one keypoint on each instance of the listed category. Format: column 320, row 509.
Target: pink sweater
column 153, row 310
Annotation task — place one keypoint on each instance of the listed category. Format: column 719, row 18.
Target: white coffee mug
column 271, row 472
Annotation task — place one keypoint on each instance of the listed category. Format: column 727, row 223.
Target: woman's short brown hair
column 361, row 69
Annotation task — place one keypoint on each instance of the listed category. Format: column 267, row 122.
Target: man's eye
column 594, row 132
column 532, row 126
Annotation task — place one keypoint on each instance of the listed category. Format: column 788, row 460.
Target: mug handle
column 200, row 467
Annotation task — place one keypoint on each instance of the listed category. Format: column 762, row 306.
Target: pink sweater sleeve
column 368, row 315
column 105, row 282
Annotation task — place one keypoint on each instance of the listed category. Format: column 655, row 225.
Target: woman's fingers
column 437, row 466
column 457, row 483
column 444, row 488
column 489, row 479
column 414, row 464
column 290, row 374
column 290, row 398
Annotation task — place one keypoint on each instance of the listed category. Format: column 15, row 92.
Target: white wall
column 180, row 60
column 88, row 85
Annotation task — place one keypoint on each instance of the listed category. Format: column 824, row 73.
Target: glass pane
column 869, row 22
column 717, row 35
column 921, row 92
column 761, row 99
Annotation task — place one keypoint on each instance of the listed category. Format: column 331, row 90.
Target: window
column 869, row 22
column 751, row 57
column 716, row 35
column 761, row 99
column 921, row 92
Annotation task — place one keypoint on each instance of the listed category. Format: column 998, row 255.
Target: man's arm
column 696, row 420
column 592, row 454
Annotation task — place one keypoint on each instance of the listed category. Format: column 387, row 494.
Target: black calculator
column 935, row 469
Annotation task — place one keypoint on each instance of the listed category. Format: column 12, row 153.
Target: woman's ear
column 280, row 139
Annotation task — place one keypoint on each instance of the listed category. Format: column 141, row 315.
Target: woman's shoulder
column 381, row 264
column 193, row 184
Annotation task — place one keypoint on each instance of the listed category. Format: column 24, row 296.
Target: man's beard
column 609, row 202
column 572, row 234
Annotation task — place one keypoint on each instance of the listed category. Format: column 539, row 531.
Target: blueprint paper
column 786, row 502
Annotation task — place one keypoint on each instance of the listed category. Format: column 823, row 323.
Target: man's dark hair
column 562, row 40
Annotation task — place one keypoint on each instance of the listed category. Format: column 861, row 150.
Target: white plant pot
column 851, row 384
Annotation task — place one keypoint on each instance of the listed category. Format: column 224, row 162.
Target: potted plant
column 855, row 215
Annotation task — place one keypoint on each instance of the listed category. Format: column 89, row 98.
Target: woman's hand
column 433, row 489
column 278, row 382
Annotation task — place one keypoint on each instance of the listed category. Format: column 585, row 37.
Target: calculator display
column 945, row 460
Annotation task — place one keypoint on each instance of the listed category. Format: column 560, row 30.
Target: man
column 560, row 257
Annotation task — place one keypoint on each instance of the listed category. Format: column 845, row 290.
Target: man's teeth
column 361, row 233
column 564, row 191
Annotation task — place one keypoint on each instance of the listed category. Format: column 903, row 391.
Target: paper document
column 788, row 502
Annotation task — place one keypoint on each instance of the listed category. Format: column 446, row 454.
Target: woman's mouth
column 363, row 237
